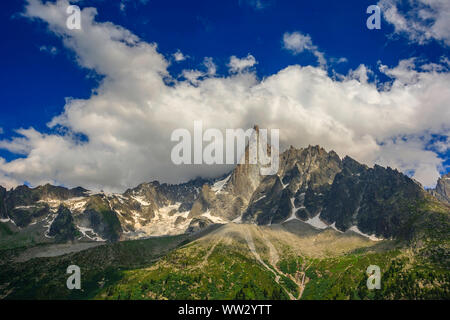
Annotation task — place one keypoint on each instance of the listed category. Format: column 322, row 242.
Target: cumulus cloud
column 408, row 154
column 297, row 42
column 442, row 146
column 419, row 20
column 195, row 76
column 211, row 67
column 179, row 56
column 361, row 74
column 238, row 65
column 6, row 181
column 129, row 118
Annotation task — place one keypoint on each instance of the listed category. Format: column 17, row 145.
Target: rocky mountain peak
column 442, row 190
column 312, row 185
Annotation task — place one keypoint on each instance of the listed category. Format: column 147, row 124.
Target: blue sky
column 39, row 71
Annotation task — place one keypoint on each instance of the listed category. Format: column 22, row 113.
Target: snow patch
column 218, row 186
column 214, row 219
column 76, row 204
column 94, row 236
column 238, row 219
column 50, row 218
column 293, row 211
column 316, row 222
column 121, row 198
column 141, row 200
column 25, row 207
column 161, row 224
column 371, row 237
column 333, row 226
column 260, row 198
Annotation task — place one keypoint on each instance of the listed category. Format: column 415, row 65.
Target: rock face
column 3, row 214
column 25, row 205
column 149, row 209
column 198, row 224
column 376, row 200
column 298, row 188
column 442, row 190
column 319, row 188
column 63, row 228
column 312, row 185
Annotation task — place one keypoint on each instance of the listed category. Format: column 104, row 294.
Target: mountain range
column 297, row 234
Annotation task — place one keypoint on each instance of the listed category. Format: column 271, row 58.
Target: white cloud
column 423, row 21
column 52, row 50
column 1, row 130
column 6, row 181
column 238, row 65
column 339, row 60
column 131, row 115
column 179, row 56
column 297, row 42
column 361, row 74
column 409, row 154
column 442, row 146
column 210, row 66
column 195, row 76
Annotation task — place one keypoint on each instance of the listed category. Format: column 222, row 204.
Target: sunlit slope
column 291, row 261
